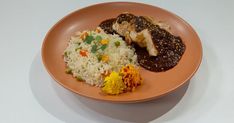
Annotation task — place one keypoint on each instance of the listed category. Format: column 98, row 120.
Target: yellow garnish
column 104, row 41
column 113, row 84
column 131, row 77
column 105, row 58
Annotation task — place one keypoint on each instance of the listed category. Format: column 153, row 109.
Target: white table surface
column 29, row 95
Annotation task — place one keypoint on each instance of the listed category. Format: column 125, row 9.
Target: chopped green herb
column 117, row 43
column 94, row 48
column 68, row 70
column 130, row 60
column 99, row 57
column 78, row 43
column 98, row 38
column 78, row 48
column 103, row 47
column 65, row 54
column 89, row 39
column 79, row 78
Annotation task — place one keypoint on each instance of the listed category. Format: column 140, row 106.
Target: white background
column 29, row 95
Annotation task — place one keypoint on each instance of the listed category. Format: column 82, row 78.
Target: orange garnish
column 131, row 77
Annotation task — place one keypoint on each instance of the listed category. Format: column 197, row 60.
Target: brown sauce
column 169, row 55
column 170, row 48
column 106, row 25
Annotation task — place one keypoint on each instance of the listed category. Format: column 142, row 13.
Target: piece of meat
column 126, row 25
column 161, row 24
column 156, row 48
column 170, row 50
column 144, row 39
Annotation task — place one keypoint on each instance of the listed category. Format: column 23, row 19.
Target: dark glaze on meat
column 107, row 26
column 125, row 17
column 169, row 55
column 170, row 48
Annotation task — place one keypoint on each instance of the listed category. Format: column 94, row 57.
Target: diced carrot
column 83, row 52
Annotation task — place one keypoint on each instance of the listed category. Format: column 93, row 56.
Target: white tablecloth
column 29, row 95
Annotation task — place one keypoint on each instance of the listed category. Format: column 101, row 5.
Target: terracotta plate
column 155, row 84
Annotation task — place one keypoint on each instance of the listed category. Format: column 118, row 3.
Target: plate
column 156, row 84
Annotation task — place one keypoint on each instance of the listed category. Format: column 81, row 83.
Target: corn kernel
column 105, row 58
column 104, row 41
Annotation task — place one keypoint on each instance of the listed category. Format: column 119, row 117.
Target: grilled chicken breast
column 125, row 25
column 164, row 50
